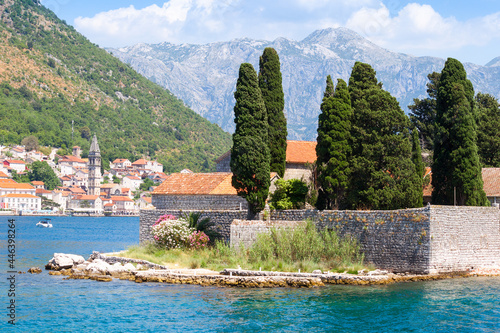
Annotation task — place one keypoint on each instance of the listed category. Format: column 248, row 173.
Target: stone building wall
column 223, row 219
column 199, row 202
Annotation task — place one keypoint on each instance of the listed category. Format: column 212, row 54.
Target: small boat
column 45, row 223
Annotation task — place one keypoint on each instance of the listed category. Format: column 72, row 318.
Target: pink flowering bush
column 198, row 240
column 171, row 233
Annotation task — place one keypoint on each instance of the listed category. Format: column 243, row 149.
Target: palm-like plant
column 202, row 224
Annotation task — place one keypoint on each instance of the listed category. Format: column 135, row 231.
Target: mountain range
column 204, row 76
column 62, row 89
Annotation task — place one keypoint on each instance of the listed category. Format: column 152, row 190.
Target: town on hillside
column 82, row 188
column 127, row 187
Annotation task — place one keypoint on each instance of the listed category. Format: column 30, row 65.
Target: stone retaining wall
column 434, row 239
column 223, row 219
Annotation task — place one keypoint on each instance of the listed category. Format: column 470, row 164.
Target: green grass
column 288, row 250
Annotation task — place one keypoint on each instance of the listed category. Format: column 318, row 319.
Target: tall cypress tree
column 383, row 173
column 333, row 150
column 456, row 171
column 419, row 165
column 423, row 112
column 272, row 92
column 488, row 138
column 250, row 152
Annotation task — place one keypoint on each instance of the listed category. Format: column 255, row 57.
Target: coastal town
column 83, row 190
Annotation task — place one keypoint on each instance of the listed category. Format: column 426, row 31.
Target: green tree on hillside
column 383, row 173
column 272, row 93
column 456, row 171
column 250, row 152
column 488, row 134
column 423, row 112
column 333, row 149
column 42, row 171
column 30, row 143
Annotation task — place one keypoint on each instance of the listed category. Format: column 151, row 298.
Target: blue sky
column 466, row 30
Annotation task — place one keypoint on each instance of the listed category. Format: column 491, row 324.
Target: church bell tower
column 95, row 176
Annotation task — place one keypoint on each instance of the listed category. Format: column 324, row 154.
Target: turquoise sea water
column 50, row 304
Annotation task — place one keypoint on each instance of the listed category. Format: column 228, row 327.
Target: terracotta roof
column 108, row 185
column 218, row 183
column 140, row 162
column 87, row 197
column 15, row 161
column 119, row 160
column 41, row 191
column 71, row 158
column 76, row 190
column 3, row 175
column 147, row 199
column 109, row 204
column 13, row 184
column 37, row 182
column 300, row 151
column 7, row 181
column 491, row 180
column 18, row 195
column 296, row 152
column 132, row 177
column 125, row 190
column 121, row 198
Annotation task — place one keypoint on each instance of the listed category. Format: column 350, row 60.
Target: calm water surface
column 50, row 304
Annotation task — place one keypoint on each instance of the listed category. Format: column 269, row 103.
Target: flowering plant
column 198, row 240
column 171, row 233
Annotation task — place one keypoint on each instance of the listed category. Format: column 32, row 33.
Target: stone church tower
column 95, row 176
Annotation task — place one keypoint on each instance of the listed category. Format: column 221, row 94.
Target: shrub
column 195, row 221
column 198, row 240
column 171, row 233
column 289, row 194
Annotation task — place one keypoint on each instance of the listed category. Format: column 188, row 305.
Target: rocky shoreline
column 100, row 267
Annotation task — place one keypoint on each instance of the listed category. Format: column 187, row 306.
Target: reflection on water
column 49, row 303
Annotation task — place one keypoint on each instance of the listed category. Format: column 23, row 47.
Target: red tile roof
column 42, row 191
column 197, row 184
column 18, row 195
column 119, row 160
column 3, row 175
column 140, row 162
column 15, row 162
column 13, row 184
column 71, row 158
column 37, row 182
column 300, row 151
column 491, row 180
column 121, row 198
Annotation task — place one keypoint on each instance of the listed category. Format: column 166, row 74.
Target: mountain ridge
column 204, row 75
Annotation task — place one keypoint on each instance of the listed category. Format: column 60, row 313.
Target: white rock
column 129, row 267
column 139, row 267
column 98, row 266
column 64, row 260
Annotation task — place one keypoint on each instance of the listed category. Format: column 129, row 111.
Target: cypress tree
column 488, row 134
column 333, row 150
column 383, row 173
column 419, row 165
column 250, row 152
column 423, row 112
column 272, row 92
column 456, row 171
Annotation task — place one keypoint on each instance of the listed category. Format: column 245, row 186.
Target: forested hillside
column 56, row 85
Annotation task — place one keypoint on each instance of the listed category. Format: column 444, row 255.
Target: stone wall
column 434, row 239
column 463, row 238
column 393, row 240
column 199, row 202
column 244, row 232
column 223, row 219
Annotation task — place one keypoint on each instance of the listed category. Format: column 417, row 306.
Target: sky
column 463, row 29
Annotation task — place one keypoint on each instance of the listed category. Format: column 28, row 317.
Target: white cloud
column 419, row 28
column 411, row 28
column 125, row 26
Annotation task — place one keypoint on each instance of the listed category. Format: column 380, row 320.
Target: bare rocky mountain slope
column 204, row 76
